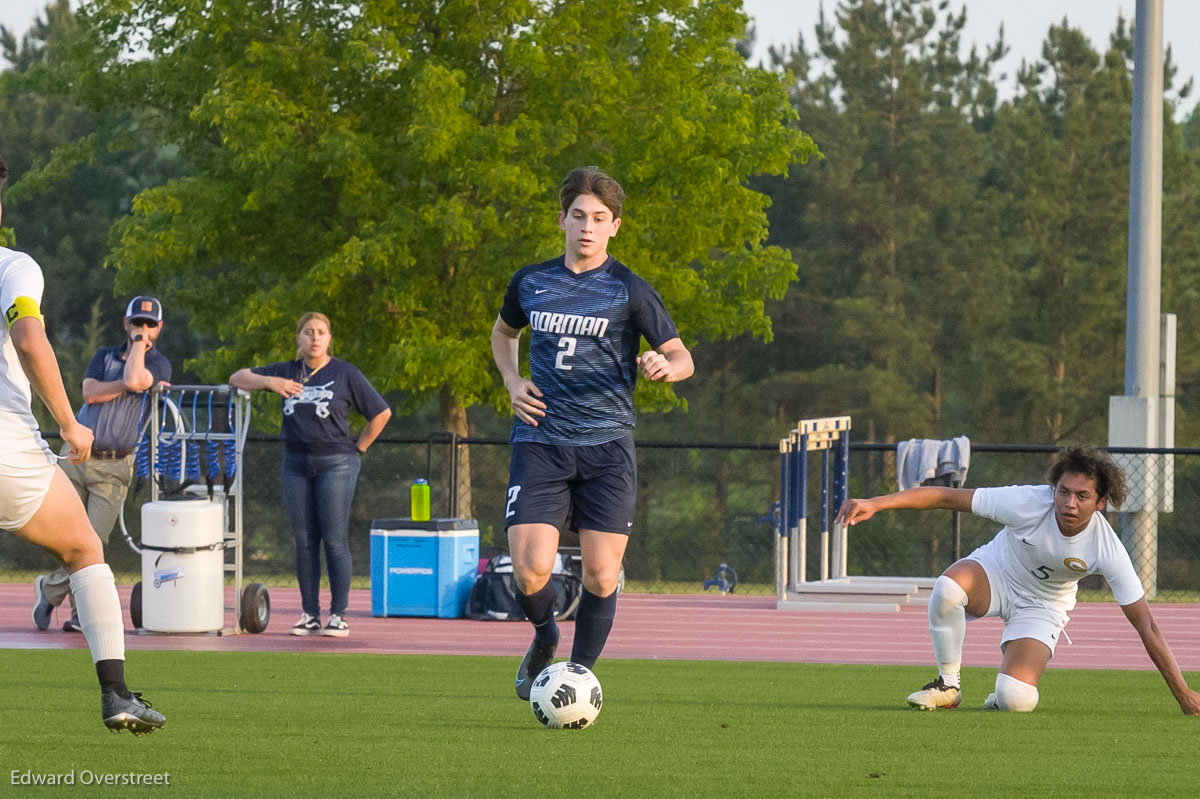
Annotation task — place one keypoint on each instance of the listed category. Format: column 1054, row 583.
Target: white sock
column 1014, row 695
column 948, row 627
column 99, row 611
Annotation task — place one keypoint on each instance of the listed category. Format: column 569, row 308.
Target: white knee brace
column 947, row 601
column 1014, row 695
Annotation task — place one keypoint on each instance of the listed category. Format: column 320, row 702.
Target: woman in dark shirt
column 320, row 461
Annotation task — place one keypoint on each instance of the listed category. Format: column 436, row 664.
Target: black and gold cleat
column 133, row 714
column 936, row 695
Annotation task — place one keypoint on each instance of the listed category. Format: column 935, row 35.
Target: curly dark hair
column 1091, row 462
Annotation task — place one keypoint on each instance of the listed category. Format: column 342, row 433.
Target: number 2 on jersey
column 567, row 345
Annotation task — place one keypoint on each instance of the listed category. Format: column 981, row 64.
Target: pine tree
column 889, row 228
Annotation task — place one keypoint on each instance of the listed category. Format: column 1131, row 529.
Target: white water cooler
column 183, row 565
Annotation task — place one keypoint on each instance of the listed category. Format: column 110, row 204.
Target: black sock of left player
column 593, row 622
column 112, row 677
column 539, row 609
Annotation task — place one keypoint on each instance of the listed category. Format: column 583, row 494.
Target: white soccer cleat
column 935, row 695
column 991, row 703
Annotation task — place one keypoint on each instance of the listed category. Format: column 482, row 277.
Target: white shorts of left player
column 25, row 477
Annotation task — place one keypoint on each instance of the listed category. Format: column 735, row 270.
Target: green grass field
column 267, row 725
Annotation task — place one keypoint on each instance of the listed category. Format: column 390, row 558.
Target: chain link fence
column 700, row 506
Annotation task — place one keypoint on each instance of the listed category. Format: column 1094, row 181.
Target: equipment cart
column 192, row 537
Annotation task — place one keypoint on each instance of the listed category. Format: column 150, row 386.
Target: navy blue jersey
column 317, row 421
column 585, row 331
column 118, row 423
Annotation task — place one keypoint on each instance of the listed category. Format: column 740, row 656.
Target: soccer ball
column 566, row 696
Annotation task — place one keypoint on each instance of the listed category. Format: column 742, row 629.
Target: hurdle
column 830, row 437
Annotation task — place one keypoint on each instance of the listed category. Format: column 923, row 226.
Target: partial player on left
column 38, row 503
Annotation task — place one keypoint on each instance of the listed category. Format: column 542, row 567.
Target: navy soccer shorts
column 592, row 487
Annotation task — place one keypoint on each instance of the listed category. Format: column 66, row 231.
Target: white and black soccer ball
column 566, row 696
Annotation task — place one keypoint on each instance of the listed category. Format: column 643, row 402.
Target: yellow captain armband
column 23, row 307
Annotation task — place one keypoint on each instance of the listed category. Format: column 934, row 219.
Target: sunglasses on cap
column 143, row 322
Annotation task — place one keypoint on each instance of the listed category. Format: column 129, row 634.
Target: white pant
column 25, row 478
column 1025, row 615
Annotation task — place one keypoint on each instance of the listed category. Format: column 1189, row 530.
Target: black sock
column 112, row 677
column 539, row 609
column 593, row 622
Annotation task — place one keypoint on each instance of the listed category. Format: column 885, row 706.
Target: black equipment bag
column 494, row 595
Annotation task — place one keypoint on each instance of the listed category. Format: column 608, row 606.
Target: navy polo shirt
column 117, row 423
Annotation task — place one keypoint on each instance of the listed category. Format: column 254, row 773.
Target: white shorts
column 24, row 480
column 1025, row 616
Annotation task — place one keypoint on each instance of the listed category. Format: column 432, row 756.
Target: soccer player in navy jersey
column 573, row 463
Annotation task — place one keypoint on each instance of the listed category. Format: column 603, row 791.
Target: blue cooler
column 423, row 568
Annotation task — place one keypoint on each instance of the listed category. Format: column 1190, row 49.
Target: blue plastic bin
column 423, row 568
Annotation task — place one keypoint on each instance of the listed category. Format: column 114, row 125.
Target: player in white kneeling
column 38, row 502
column 1028, row 575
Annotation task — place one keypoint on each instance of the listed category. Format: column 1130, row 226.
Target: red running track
column 668, row 627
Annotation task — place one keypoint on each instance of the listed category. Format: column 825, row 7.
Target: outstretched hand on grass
column 1189, row 703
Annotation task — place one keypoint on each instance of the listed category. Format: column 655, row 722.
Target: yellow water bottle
column 420, row 500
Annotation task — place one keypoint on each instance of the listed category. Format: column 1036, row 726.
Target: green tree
column 957, row 257
column 393, row 162
column 62, row 215
column 1062, row 155
column 62, row 218
column 889, row 229
column 1061, row 158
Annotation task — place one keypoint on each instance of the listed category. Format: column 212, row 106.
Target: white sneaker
column 991, row 703
column 936, row 694
column 308, row 625
column 336, row 626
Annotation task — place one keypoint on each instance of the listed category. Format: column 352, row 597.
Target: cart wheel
column 256, row 608
column 135, row 605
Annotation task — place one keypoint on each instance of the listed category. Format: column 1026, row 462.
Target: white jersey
column 20, row 276
column 1033, row 553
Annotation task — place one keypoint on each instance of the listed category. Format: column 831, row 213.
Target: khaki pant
column 102, row 485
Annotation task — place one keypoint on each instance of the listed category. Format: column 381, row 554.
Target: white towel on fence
column 921, row 459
